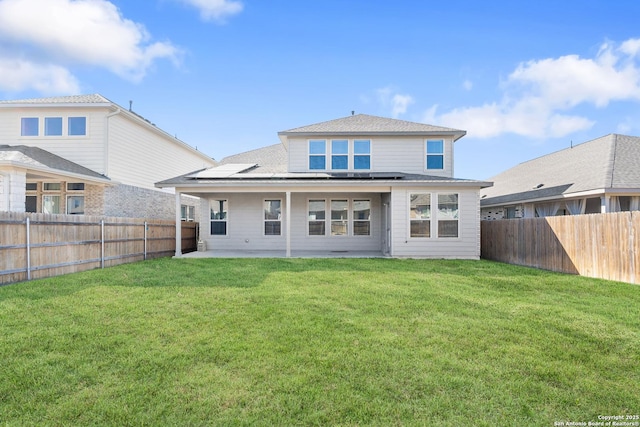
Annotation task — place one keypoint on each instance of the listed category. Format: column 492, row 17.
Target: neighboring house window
column 51, row 186
column 448, row 215
column 361, row 217
column 420, row 215
column 50, row 204
column 340, row 154
column 29, row 126
column 272, row 217
column 75, row 202
column 77, row 126
column 53, row 126
column 510, row 212
column 75, row 186
column 75, row 205
column 317, row 155
column 362, row 154
column 187, row 213
column 317, row 217
column 435, row 154
column 339, row 217
column 219, row 217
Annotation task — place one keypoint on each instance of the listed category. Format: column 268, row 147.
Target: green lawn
column 318, row 342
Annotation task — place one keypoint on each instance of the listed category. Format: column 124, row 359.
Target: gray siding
column 388, row 154
column 465, row 246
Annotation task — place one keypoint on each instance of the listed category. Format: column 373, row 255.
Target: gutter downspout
column 106, row 139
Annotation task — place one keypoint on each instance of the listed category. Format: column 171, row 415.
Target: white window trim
column 313, row 236
column 65, row 127
column 350, row 155
column 226, row 219
column 447, row 219
column 431, row 218
column 264, row 220
column 352, row 212
column 444, row 154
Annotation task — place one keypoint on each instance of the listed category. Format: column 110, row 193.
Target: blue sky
column 523, row 78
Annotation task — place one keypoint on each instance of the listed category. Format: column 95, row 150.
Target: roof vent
column 538, row 186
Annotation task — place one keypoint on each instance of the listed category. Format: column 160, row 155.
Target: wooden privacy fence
column 34, row 246
column 605, row 246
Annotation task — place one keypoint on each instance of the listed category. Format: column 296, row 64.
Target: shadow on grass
column 252, row 272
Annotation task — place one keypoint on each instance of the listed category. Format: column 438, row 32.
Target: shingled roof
column 609, row 162
column 363, row 124
column 41, row 159
column 74, row 99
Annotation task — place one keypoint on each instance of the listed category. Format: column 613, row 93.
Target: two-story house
column 87, row 155
column 361, row 184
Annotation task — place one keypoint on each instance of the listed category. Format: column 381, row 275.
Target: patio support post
column 178, row 226
column 288, row 223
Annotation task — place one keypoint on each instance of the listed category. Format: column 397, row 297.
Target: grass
column 318, row 342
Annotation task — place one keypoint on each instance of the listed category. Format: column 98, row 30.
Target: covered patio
column 282, row 254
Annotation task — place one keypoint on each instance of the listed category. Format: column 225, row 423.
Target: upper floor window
column 29, row 126
column 362, row 154
column 77, row 126
column 219, row 218
column 53, row 126
column 317, row 155
column 339, row 154
column 435, row 154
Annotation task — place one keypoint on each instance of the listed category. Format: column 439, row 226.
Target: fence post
column 102, row 243
column 145, row 240
column 632, row 243
column 28, row 249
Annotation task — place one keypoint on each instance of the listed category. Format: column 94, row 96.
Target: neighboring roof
column 606, row 163
column 74, row 99
column 267, row 159
column 364, row 125
column 42, row 160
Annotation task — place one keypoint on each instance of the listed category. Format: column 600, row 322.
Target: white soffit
column 223, row 171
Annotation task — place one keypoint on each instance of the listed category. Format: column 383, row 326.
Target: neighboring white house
column 87, row 155
column 360, row 183
column 598, row 176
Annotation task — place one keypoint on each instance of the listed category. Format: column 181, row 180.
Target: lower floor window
column 347, row 217
column 219, row 218
column 75, row 205
column 272, row 217
column 187, row 213
column 55, row 197
column 51, row 204
column 448, row 215
column 421, row 215
column 339, row 217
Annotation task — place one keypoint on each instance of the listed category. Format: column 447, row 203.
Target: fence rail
column 605, row 246
column 34, row 246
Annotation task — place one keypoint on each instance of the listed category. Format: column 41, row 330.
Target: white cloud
column 215, row 10
column 538, row 95
column 467, row 84
column 62, row 33
column 18, row 75
column 396, row 102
